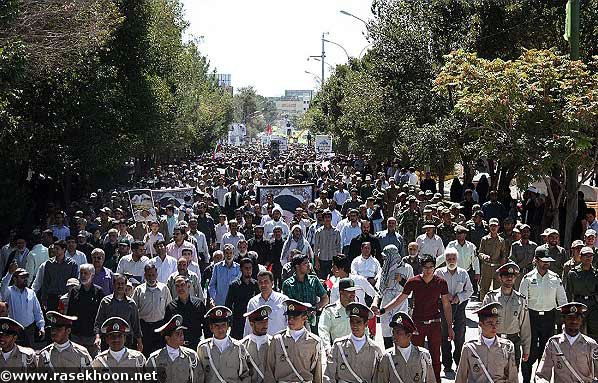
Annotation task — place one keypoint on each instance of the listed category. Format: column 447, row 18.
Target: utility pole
column 573, row 26
column 323, row 56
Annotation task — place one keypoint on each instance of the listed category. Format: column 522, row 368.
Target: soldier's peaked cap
column 218, row 314
column 175, row 323
column 259, row 314
column 56, row 319
column 489, row 310
column 297, row 308
column 402, row 319
column 115, row 325
column 573, row 308
column 9, row 326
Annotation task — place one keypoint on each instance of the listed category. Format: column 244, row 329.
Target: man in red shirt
column 426, row 288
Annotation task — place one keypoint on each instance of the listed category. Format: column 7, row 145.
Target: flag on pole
column 567, row 34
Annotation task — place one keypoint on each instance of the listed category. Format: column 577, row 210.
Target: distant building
column 224, row 81
column 301, row 93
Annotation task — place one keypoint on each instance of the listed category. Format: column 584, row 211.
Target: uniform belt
column 542, row 312
column 492, row 264
column 507, row 336
column 437, row 320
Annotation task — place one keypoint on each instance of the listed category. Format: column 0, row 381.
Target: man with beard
column 460, row 290
column 365, row 236
column 544, row 292
column 240, row 291
column 522, row 253
column 570, row 356
column 62, row 353
column 514, row 317
column 552, row 249
column 273, row 262
column 259, row 245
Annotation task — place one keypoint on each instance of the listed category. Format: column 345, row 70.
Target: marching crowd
column 223, row 287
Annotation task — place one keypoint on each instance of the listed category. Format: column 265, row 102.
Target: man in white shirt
column 276, row 221
column 203, row 254
column 37, row 255
column 341, row 268
column 544, row 292
column 366, row 265
column 270, row 298
column 135, row 262
column 71, row 251
column 232, row 237
column 165, row 264
column 467, row 258
column 429, row 243
column 460, row 290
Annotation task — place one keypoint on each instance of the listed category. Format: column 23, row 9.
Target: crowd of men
column 224, row 288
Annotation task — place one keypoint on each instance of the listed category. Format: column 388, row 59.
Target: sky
column 265, row 43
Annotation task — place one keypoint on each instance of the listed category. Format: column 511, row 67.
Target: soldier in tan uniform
column 354, row 358
column 295, row 355
column 570, row 357
column 258, row 341
column 493, row 254
column 222, row 359
column 514, row 317
column 174, row 362
column 405, row 362
column 62, row 352
column 117, row 356
column 489, row 358
column 14, row 356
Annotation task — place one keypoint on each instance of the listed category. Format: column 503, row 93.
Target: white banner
column 142, row 205
column 323, row 143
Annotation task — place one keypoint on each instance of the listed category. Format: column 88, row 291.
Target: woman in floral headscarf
column 395, row 274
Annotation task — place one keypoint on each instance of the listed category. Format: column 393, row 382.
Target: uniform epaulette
column 204, row 341
column 281, row 332
column 26, row 350
column 155, row 354
column 314, row 336
column 47, row 348
column 390, row 350
column 330, row 305
column 104, row 353
column 341, row 339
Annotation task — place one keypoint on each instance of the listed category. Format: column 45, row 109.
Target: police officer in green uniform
column 446, row 229
column 14, row 356
column 582, row 287
column 222, row 359
column 407, row 221
column 334, row 322
column 117, row 356
column 174, row 362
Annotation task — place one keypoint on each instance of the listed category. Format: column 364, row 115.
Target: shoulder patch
column 595, row 353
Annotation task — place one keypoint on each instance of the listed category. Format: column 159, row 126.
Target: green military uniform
column 582, row 286
column 333, row 324
column 407, row 225
column 509, row 239
column 476, row 232
column 20, row 358
column 182, row 366
column 523, row 255
column 514, row 317
column 493, row 254
column 446, row 232
column 390, row 198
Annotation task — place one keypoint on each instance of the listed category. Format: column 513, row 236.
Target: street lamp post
column 338, row 45
column 353, row 16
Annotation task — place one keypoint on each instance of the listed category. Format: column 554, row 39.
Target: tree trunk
column 572, row 188
column 467, row 173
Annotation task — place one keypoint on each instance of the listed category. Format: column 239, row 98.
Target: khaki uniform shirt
column 232, row 364
column 333, row 324
column 495, row 249
column 582, row 355
column 131, row 359
column 363, row 363
column 74, row 356
column 21, row 358
column 304, row 354
column 499, row 361
column 257, row 356
column 182, row 369
column 514, row 317
column 412, row 371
